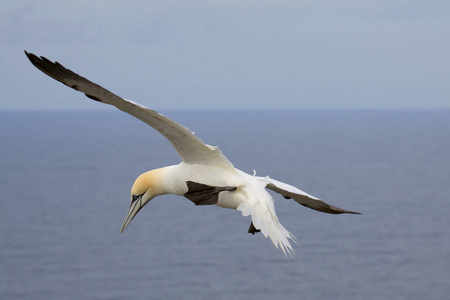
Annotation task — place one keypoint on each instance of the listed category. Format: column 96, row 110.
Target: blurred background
column 205, row 54
column 347, row 100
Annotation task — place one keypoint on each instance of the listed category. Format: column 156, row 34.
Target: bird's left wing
column 191, row 149
column 299, row 196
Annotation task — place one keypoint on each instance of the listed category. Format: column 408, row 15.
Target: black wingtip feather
column 59, row 73
column 93, row 98
column 31, row 57
column 54, row 69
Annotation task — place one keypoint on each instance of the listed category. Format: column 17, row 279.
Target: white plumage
column 205, row 176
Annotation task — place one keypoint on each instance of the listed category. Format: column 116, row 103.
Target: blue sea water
column 65, row 179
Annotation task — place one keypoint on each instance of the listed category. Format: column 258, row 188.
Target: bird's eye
column 134, row 198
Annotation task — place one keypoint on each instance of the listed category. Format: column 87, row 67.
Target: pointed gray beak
column 135, row 206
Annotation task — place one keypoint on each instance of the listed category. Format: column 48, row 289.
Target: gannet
column 204, row 176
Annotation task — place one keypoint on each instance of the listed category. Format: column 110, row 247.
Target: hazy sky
column 206, row 54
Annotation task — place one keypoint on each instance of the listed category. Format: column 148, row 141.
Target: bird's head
column 146, row 187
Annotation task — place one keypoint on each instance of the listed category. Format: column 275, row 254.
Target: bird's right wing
column 191, row 149
column 299, row 196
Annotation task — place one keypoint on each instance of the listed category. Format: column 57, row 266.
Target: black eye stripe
column 134, row 197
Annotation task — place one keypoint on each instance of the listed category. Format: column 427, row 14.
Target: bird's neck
column 159, row 179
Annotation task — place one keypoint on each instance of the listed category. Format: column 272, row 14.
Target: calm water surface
column 65, row 179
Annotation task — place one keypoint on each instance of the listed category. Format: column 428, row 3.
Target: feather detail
column 259, row 204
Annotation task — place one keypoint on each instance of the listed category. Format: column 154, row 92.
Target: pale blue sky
column 247, row 54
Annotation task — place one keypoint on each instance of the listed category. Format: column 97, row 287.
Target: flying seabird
column 205, row 176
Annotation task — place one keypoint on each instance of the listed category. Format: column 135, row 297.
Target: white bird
column 205, row 176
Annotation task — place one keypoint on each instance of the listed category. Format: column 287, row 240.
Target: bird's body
column 175, row 178
column 205, row 176
column 246, row 193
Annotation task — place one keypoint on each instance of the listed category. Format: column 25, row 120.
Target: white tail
column 259, row 204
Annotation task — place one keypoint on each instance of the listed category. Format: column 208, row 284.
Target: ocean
column 65, row 179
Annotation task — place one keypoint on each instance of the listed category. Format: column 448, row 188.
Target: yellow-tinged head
column 146, row 187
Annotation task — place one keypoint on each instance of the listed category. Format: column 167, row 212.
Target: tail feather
column 260, row 206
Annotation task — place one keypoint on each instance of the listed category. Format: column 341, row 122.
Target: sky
column 246, row 54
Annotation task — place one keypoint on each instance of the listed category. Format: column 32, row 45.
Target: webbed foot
column 252, row 229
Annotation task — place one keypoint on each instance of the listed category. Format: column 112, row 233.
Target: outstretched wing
column 191, row 149
column 299, row 196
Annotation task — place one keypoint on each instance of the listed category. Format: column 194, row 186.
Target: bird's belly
column 211, row 176
column 230, row 199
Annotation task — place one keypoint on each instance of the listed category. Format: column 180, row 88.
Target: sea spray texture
column 65, row 179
